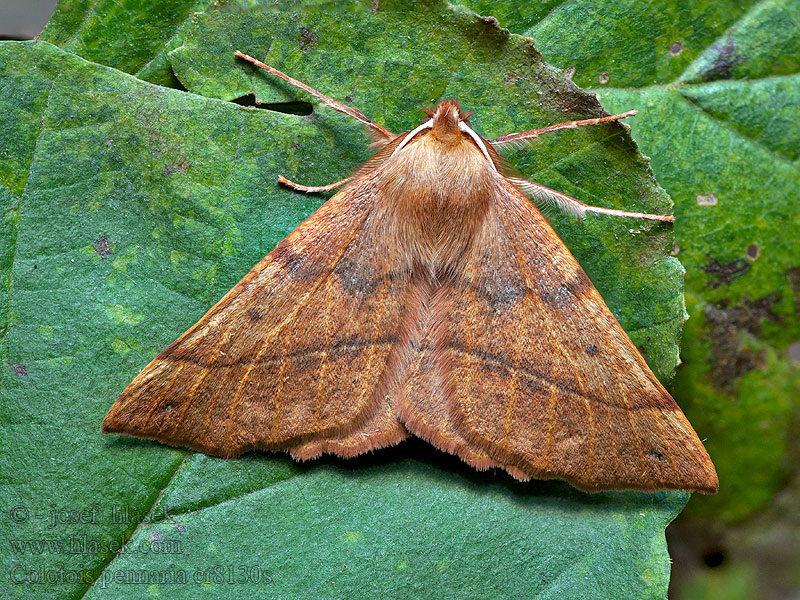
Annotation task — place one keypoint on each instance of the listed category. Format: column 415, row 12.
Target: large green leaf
column 129, row 35
column 132, row 208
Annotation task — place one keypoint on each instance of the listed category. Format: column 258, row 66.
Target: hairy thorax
column 437, row 192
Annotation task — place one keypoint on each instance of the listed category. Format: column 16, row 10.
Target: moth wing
column 542, row 378
column 292, row 357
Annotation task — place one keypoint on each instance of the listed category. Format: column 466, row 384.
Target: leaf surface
column 132, row 208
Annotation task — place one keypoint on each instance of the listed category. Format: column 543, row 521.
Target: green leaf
column 133, row 208
column 718, row 114
column 130, row 35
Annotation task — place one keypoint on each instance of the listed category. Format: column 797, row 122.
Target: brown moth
column 427, row 297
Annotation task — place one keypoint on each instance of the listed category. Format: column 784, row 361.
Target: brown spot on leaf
column 726, row 59
column 725, row 272
column 730, row 327
column 307, row 38
column 491, row 21
column 20, row 370
column 603, row 78
column 793, row 275
column 752, row 252
column 591, row 350
column 675, row 48
column 102, row 247
column 676, row 249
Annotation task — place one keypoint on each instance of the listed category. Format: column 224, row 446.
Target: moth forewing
column 427, row 297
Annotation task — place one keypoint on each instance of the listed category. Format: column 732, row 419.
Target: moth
column 429, row 297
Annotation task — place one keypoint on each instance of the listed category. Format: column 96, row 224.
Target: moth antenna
column 380, row 132
column 518, row 139
column 547, row 197
column 314, row 188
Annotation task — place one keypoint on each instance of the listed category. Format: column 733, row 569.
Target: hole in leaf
column 713, row 558
column 295, row 107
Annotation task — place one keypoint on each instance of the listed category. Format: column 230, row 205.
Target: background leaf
column 132, row 208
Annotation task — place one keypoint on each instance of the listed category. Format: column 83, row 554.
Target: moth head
column 447, row 124
column 445, row 121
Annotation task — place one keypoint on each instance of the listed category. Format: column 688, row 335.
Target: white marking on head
column 477, row 139
column 426, row 125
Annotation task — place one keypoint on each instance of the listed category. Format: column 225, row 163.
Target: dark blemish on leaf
column 491, row 21
column 35, row 267
column 181, row 166
column 603, row 78
column 675, row 48
column 725, row 273
column 752, row 252
column 643, row 351
column 348, row 99
column 730, row 328
column 307, row 39
column 591, row 349
column 254, row 314
column 20, row 370
column 167, row 406
column 675, row 249
column 713, row 558
column 793, row 352
column 529, row 41
column 656, row 454
column 102, row 247
column 706, row 200
column 288, row 108
column 726, row 59
column 793, row 275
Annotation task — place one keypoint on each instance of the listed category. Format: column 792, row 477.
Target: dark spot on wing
column 287, row 258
